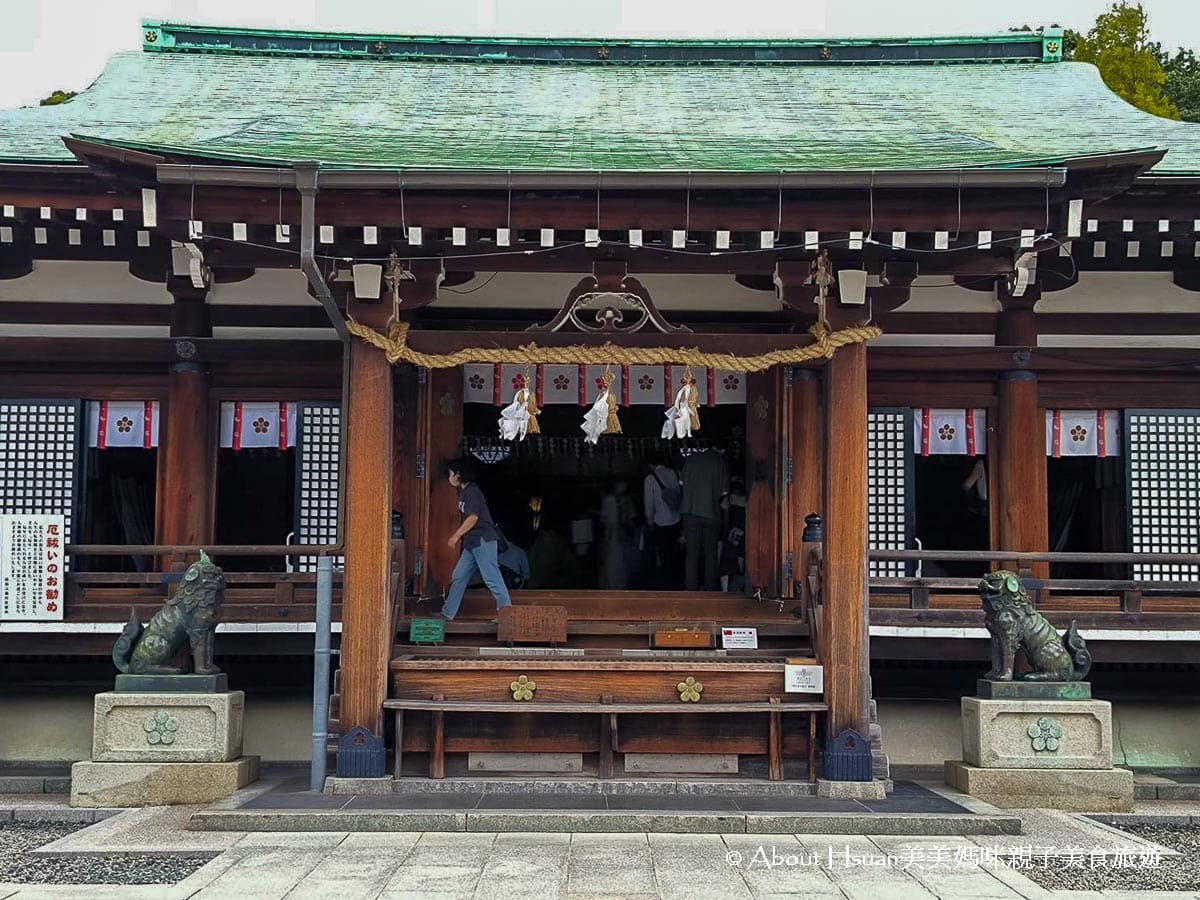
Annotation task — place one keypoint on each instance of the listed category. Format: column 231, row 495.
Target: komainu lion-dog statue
column 1015, row 625
column 190, row 615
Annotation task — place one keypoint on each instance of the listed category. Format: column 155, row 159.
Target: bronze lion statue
column 190, row 615
column 1015, row 625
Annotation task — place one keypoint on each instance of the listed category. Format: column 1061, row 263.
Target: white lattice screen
column 889, row 484
column 1164, row 489
column 39, row 454
column 317, row 478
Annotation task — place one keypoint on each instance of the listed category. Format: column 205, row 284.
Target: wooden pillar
column 185, row 501
column 763, row 419
column 185, row 506
column 366, row 637
column 844, row 588
column 807, row 449
column 445, row 439
column 1020, row 465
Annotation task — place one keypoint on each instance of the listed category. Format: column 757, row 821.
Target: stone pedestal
column 167, row 727
column 163, row 747
column 1037, row 734
column 1040, row 744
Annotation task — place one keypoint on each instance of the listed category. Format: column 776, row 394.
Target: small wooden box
column 690, row 638
column 532, row 625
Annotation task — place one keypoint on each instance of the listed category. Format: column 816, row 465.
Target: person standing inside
column 661, row 497
column 704, row 478
column 480, row 542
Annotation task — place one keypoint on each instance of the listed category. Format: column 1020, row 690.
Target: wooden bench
column 608, row 712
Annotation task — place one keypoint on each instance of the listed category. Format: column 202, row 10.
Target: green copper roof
column 378, row 111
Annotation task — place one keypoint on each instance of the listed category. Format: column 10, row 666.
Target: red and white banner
column 580, row 385
column 246, row 426
column 122, row 423
column 32, row 568
column 950, row 431
column 1083, row 432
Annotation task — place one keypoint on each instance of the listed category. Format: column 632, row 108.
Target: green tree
column 1183, row 82
column 1119, row 46
column 56, row 98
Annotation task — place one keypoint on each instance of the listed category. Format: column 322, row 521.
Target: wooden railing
column 1095, row 603
column 249, row 596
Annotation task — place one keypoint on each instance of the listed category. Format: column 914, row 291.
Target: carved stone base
column 1037, row 734
column 1074, row 790
column 167, row 727
column 124, row 784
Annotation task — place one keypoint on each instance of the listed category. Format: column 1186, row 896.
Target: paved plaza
column 1054, row 848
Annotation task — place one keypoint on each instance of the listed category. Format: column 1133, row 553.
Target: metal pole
column 321, row 654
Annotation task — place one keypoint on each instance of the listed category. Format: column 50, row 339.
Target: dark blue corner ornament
column 848, row 757
column 361, row 755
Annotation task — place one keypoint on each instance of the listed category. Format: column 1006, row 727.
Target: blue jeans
column 482, row 558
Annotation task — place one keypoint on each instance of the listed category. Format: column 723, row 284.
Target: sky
column 62, row 44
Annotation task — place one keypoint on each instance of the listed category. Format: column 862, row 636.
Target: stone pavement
column 393, row 865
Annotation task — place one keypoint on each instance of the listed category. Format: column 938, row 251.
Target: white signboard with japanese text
column 739, row 638
column 32, row 568
column 804, row 679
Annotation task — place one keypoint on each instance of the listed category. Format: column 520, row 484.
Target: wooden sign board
column 427, row 631
column 532, row 625
column 683, row 637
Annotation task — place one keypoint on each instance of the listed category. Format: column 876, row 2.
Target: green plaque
column 427, row 631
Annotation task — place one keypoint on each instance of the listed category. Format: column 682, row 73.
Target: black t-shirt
column 472, row 502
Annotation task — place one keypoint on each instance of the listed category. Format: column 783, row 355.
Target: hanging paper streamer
column 520, row 417
column 602, row 417
column 684, row 416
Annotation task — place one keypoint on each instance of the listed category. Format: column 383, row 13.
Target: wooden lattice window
column 317, row 466
column 39, row 458
column 889, row 486
column 1164, row 489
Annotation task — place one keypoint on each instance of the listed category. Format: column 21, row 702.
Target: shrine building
column 934, row 303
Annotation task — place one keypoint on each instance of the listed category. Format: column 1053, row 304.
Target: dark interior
column 256, row 498
column 949, row 514
column 118, row 500
column 572, row 478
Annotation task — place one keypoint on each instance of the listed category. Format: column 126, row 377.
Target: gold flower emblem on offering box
column 689, row 690
column 523, row 688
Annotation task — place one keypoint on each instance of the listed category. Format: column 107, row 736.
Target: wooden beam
column 740, row 210
column 366, row 643
column 844, row 635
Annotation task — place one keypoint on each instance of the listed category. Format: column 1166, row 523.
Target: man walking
column 480, row 542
